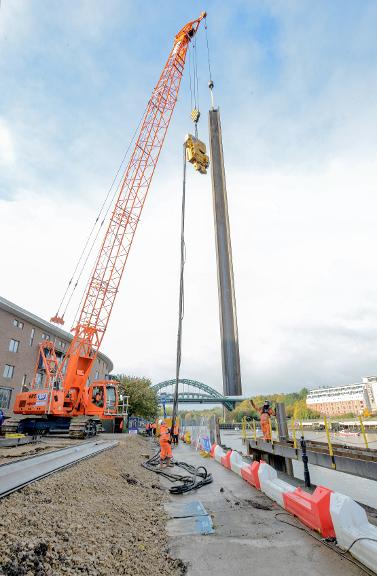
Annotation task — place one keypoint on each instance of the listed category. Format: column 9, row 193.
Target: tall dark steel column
column 227, row 300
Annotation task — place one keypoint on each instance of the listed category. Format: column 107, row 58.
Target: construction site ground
column 249, row 537
column 110, row 516
column 100, row 517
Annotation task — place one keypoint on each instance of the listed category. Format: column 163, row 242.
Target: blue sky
column 296, row 84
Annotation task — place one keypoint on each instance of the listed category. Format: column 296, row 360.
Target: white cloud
column 301, row 173
column 7, row 149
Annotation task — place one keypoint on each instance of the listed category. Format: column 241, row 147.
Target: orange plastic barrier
column 312, row 509
column 225, row 460
column 250, row 474
column 212, row 451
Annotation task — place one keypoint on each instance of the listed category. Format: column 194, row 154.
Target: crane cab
column 103, row 400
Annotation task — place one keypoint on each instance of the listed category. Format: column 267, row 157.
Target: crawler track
column 16, row 475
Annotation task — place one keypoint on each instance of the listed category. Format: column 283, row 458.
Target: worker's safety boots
column 169, row 463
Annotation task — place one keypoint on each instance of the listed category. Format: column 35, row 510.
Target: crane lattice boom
column 104, row 282
column 60, row 389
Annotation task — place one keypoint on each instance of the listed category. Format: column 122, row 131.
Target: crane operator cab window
column 97, row 396
column 110, row 398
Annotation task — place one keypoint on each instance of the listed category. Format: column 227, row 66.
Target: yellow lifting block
column 195, row 115
column 196, row 153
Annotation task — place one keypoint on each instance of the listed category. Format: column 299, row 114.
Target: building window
column 24, row 380
column 5, row 395
column 96, row 376
column 13, row 345
column 45, row 337
column 8, row 371
column 31, row 339
column 18, row 324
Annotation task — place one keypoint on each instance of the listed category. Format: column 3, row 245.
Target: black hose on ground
column 198, row 475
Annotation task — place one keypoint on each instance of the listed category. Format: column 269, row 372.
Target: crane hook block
column 196, row 153
column 57, row 319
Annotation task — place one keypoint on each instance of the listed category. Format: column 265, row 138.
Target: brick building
column 20, row 335
column 338, row 400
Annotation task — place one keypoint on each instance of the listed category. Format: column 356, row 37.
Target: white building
column 338, row 400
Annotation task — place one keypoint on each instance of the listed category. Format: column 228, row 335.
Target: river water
column 360, row 489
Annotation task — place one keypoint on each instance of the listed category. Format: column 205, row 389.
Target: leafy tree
column 142, row 399
column 295, row 406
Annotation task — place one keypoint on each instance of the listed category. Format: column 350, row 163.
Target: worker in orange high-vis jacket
column 265, row 414
column 165, row 446
column 175, row 434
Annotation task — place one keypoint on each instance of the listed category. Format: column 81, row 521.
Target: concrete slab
column 195, row 525
column 249, row 537
column 184, row 509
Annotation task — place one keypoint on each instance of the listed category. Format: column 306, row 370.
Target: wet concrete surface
column 249, row 534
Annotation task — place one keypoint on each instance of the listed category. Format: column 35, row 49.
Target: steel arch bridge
column 193, row 392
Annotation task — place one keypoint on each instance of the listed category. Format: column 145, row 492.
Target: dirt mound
column 100, row 517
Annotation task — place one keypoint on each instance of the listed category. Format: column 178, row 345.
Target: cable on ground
column 328, row 543
column 196, row 478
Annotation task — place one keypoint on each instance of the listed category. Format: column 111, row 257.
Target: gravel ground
column 100, row 517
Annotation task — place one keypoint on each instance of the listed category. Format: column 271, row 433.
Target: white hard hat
column 160, row 421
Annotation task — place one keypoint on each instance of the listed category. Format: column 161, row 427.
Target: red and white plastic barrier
column 250, row 473
column 312, row 509
column 271, row 485
column 351, row 523
column 225, row 460
column 236, row 462
column 247, row 471
column 330, row 513
column 218, row 453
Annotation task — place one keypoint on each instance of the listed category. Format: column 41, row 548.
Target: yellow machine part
column 196, row 154
column 14, row 435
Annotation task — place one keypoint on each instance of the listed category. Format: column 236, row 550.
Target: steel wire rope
column 181, row 303
column 190, row 83
column 208, row 56
column 196, row 78
column 96, row 222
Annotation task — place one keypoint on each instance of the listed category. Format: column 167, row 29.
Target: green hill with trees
column 295, row 406
column 143, row 402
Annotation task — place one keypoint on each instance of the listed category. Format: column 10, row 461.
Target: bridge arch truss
column 197, row 392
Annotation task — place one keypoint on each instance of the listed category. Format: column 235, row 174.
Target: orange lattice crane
column 63, row 397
